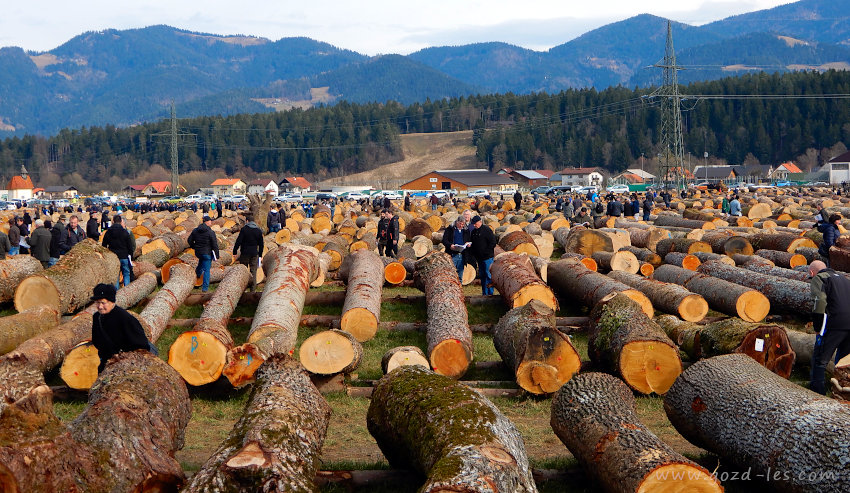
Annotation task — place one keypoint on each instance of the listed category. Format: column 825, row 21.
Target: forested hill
column 609, row 128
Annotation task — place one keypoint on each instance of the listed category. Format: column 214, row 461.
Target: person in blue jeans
column 120, row 242
column 456, row 238
column 204, row 242
column 483, row 242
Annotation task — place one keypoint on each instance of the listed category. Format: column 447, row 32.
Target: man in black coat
column 483, row 242
column 93, row 227
column 204, row 242
column 73, row 234
column 113, row 328
column 120, row 242
column 57, row 241
column 388, row 234
column 517, row 199
column 249, row 244
column 456, row 238
column 831, row 291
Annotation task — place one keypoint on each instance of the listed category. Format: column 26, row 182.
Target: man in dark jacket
column 25, row 232
column 830, row 235
column 249, row 244
column 204, row 242
column 114, row 329
column 834, row 332
column 120, row 242
column 93, row 227
column 73, row 233
column 14, row 236
column 388, row 234
column 647, row 207
column 456, row 239
column 39, row 242
column 483, row 242
column 57, row 234
column 517, row 199
column 274, row 219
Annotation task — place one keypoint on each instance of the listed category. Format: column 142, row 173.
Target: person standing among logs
column 39, row 241
column 249, row 243
column 14, row 236
column 57, row 239
column 120, row 242
column 483, row 242
column 830, row 235
column 735, row 207
column 456, row 239
column 831, row 291
column 648, row 203
column 73, row 234
column 204, row 242
column 274, row 220
column 388, row 234
column 114, row 329
column 93, row 227
column 517, row 199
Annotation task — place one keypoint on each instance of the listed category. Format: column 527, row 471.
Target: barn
column 461, row 179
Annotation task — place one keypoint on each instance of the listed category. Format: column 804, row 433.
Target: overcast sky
column 370, row 27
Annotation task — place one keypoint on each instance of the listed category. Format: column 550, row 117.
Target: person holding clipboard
column 457, row 238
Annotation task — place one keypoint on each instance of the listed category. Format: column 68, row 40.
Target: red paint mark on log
column 698, row 405
column 603, row 442
column 631, row 426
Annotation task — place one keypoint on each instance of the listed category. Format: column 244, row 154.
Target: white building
column 20, row 187
column 261, row 187
column 582, row 177
column 839, row 169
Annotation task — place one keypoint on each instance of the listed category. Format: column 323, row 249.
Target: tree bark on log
column 644, row 255
column 723, row 296
column 67, row 286
column 732, row 406
column 448, row 337
column 684, row 260
column 13, row 270
column 324, row 266
column 260, row 207
column 156, row 257
column 728, row 243
column 519, row 242
column 733, row 335
column 705, row 257
column 667, row 297
column 841, row 380
column 586, row 241
column 784, row 294
column 594, row 417
column 784, row 242
column 289, row 273
column 647, row 238
column 403, row 356
column 172, row 244
column 586, row 261
column 15, row 329
column 803, row 344
column 330, row 352
column 541, row 357
column 277, row 443
column 199, row 354
column 573, row 281
column 683, row 245
column 624, row 340
column 764, row 266
column 448, row 432
column 514, row 277
column 679, row 222
column 783, row 259
column 361, row 311
column 622, row 260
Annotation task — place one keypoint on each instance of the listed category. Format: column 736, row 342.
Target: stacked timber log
column 330, row 352
column 682, row 245
column 723, row 296
column 783, row 259
column 686, row 261
column 784, row 294
column 448, row 337
column 572, row 281
column 587, row 241
column 403, row 356
column 17, row 328
column 361, row 312
column 67, row 286
column 448, row 432
column 623, row 339
column 840, row 379
column 274, row 330
column 667, row 297
column 516, row 280
column 13, row 270
column 594, row 416
column 784, row 242
column 541, row 357
column 762, row 265
column 793, row 436
column 766, row 343
column 622, row 260
column 199, row 354
column 276, row 445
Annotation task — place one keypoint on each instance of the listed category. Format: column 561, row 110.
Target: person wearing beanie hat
column 204, row 242
column 483, row 243
column 114, row 329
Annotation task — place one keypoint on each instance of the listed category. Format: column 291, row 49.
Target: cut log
column 156, row 257
column 67, row 286
column 447, row 431
column 330, row 352
column 728, row 243
column 766, row 343
column 573, row 281
column 361, row 311
column 732, row 406
column 624, row 340
column 705, row 257
column 13, row 270
column 586, row 241
column 277, row 443
column 762, row 265
column 403, row 356
column 586, row 261
column 684, row 260
column 803, row 344
column 541, row 265
column 841, row 380
column 199, row 354
column 594, row 416
column 519, row 242
column 622, row 260
column 324, row 265
column 260, row 205
column 421, row 245
column 683, row 245
column 517, row 282
column 645, row 255
column 541, row 356
column 784, row 242
column 667, row 297
column 723, row 296
column 646, row 270
column 418, row 227
column 15, row 329
column 289, row 273
column 171, row 243
column 679, row 222
column 647, row 238
column 394, row 271
column 784, row 294
column 783, row 259
column 449, row 338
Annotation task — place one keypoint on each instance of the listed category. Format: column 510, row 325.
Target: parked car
column 325, row 196
column 356, row 196
column 783, row 183
column 392, row 195
column 7, row 206
column 542, row 189
column 238, row 198
column 294, row 197
column 589, row 188
column 440, row 193
column 480, row 192
column 817, row 184
column 618, row 189
column 703, row 185
column 195, row 197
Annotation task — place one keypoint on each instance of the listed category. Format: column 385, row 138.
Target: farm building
column 461, row 179
column 716, row 174
column 839, row 168
column 528, row 178
column 295, row 184
column 228, row 186
column 261, row 187
column 159, row 188
column 580, row 177
column 61, row 192
column 133, row 190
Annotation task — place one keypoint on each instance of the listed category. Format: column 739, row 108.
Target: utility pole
column 174, row 135
column 672, row 146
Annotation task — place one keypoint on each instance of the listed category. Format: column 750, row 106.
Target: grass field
column 348, row 445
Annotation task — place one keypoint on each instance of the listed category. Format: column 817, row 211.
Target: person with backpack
column 597, row 211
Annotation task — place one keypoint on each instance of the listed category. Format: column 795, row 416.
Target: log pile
column 573, row 281
column 13, row 270
column 667, row 297
column 784, row 294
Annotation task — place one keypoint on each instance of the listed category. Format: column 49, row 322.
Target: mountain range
column 124, row 77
